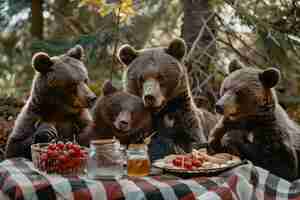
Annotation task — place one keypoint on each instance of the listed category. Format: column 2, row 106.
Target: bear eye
column 238, row 92
column 141, row 79
column 161, row 78
column 86, row 81
column 73, row 88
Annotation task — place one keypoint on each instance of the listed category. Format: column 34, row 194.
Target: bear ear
column 177, row 48
column 127, row 54
column 269, row 77
column 108, row 88
column 42, row 62
column 234, row 65
column 76, row 52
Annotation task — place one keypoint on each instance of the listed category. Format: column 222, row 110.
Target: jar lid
column 103, row 141
column 137, row 146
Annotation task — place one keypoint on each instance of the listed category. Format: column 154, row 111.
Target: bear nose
column 91, row 100
column 149, row 100
column 219, row 109
column 123, row 125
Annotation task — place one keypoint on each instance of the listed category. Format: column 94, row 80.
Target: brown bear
column 254, row 123
column 118, row 114
column 59, row 101
column 158, row 76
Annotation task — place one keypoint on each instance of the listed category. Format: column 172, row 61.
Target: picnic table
column 20, row 180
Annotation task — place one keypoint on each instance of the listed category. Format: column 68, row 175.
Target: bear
column 253, row 123
column 158, row 76
column 118, row 114
column 58, row 103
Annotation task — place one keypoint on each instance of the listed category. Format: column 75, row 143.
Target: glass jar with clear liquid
column 106, row 159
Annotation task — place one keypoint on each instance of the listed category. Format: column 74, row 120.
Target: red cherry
column 49, row 152
column 62, row 158
column 52, row 153
column 72, row 152
column 69, row 145
column 60, row 145
column 52, row 146
column 76, row 147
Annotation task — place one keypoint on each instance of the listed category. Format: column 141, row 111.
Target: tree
column 198, row 30
column 37, row 20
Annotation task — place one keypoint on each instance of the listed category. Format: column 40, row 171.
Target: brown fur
column 171, row 93
column 58, row 103
column 256, row 126
column 108, row 116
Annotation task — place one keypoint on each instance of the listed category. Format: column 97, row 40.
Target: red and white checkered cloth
column 20, row 180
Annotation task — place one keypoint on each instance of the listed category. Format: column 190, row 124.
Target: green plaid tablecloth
column 20, row 180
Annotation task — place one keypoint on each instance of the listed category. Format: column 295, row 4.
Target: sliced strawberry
column 188, row 165
column 196, row 163
column 177, row 162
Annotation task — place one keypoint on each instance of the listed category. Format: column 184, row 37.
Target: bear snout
column 123, row 125
column 149, row 100
column 85, row 96
column 227, row 105
column 91, row 100
column 123, row 121
column 152, row 94
column 219, row 108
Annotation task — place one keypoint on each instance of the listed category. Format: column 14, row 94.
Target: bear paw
column 45, row 133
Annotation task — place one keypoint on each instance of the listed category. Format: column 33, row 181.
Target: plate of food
column 197, row 162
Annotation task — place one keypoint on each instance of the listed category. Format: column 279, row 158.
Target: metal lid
column 137, row 146
column 103, row 141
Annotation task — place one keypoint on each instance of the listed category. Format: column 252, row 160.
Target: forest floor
column 9, row 109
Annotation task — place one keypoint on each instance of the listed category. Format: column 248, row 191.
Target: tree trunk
column 37, row 20
column 199, row 24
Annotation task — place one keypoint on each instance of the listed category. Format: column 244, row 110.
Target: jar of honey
column 138, row 163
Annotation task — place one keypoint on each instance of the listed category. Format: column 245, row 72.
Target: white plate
column 166, row 164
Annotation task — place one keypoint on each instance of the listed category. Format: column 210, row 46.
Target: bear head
column 123, row 113
column 248, row 92
column 60, row 84
column 155, row 74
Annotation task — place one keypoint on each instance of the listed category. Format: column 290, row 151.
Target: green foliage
column 10, row 9
column 273, row 30
column 216, row 3
column 96, row 87
column 121, row 8
column 8, row 86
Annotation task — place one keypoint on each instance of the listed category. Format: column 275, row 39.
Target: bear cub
column 118, row 114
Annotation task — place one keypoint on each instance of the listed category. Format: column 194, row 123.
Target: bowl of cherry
column 60, row 158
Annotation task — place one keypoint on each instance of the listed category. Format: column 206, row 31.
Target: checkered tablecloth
column 20, row 180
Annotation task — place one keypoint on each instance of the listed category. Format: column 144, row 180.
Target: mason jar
column 106, row 159
column 138, row 163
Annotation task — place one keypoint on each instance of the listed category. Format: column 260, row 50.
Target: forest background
column 257, row 33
